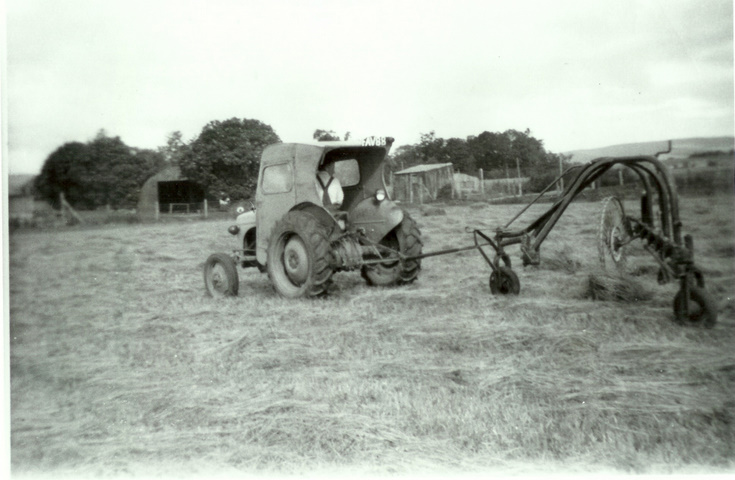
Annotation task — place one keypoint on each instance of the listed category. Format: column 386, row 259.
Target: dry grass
column 120, row 366
column 607, row 286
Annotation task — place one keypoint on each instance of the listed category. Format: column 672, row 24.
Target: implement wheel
column 220, row 276
column 298, row 256
column 612, row 235
column 504, row 281
column 702, row 309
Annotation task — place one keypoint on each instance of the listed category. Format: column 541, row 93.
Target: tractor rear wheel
column 298, row 256
column 406, row 238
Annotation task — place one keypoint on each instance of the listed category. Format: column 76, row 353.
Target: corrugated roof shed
column 423, row 168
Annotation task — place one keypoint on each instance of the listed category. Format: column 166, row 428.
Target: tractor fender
column 322, row 215
column 375, row 218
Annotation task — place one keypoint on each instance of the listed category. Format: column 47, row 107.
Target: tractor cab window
column 347, row 171
column 277, row 178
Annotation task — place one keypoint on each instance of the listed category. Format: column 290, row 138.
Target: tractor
column 295, row 234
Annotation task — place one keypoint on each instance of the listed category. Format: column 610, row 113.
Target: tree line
column 224, row 159
column 499, row 154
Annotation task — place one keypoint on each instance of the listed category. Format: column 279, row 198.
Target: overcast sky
column 579, row 74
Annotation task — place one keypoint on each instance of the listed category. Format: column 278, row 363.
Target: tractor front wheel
column 298, row 256
column 220, row 276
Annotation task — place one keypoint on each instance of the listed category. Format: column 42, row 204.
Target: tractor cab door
column 275, row 194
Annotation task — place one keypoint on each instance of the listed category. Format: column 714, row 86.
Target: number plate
column 373, row 142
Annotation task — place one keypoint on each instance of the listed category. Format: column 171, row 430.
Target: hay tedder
column 301, row 241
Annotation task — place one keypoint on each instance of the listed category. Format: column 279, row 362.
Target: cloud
column 578, row 73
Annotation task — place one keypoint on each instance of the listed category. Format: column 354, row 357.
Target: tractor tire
column 702, row 308
column 612, row 236
column 298, row 256
column 406, row 238
column 220, row 276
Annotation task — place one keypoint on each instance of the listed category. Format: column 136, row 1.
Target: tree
column 431, row 148
column 491, row 151
column 64, row 171
column 103, row 171
column 405, row 156
column 224, row 159
column 458, row 152
column 173, row 149
column 326, row 135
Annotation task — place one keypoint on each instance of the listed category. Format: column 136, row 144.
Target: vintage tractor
column 301, row 242
column 294, row 234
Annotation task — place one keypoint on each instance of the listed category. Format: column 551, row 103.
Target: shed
column 466, row 184
column 168, row 192
column 423, row 181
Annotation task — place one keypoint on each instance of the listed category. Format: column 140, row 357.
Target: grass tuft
column 564, row 260
column 614, row 287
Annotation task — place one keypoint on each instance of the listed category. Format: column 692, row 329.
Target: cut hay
column 614, row 287
column 433, row 211
column 562, row 260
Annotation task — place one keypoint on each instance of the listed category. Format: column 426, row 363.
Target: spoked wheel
column 700, row 310
column 612, row 235
column 504, row 281
column 220, row 276
column 298, row 256
column 406, row 238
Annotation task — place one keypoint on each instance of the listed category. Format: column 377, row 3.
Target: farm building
column 168, row 192
column 423, row 182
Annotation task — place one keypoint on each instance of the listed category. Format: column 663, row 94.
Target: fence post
column 205, row 208
column 518, row 172
column 482, row 183
column 157, row 214
column 560, row 185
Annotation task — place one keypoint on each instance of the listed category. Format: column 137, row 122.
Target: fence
column 468, row 186
column 196, row 208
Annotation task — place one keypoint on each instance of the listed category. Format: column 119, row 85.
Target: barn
column 168, row 192
column 423, row 182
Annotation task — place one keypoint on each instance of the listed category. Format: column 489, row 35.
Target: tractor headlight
column 234, row 229
column 240, row 210
column 380, row 195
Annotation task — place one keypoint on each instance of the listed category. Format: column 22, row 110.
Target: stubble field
column 121, row 366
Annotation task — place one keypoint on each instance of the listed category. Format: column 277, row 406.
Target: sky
column 578, row 74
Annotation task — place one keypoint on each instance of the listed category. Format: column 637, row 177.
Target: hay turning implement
column 658, row 226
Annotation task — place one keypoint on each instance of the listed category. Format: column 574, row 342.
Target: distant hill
column 680, row 148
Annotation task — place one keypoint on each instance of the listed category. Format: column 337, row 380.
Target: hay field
column 121, row 366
